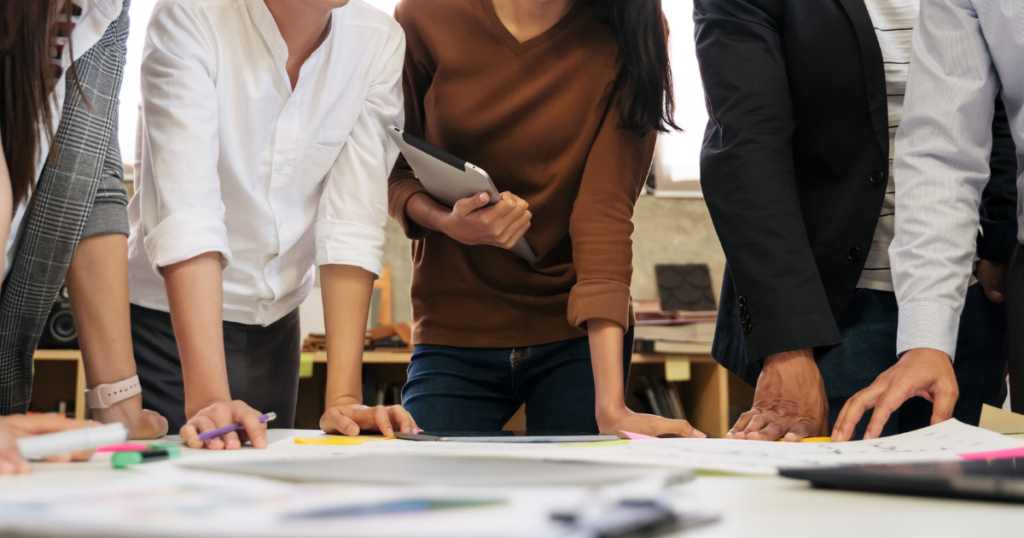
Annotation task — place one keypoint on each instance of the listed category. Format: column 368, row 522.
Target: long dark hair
column 644, row 86
column 27, row 79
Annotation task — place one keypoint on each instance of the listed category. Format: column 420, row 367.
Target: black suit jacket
column 794, row 166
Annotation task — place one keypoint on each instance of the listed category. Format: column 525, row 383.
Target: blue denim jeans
column 468, row 389
column 868, row 326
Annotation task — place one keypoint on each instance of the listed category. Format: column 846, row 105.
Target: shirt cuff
column 927, row 325
column 185, row 235
column 349, row 243
column 599, row 299
column 400, row 192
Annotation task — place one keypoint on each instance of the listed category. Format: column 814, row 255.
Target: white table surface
column 749, row 506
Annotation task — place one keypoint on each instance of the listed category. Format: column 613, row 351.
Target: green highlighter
column 121, row 460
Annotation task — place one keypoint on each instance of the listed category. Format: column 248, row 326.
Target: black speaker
column 59, row 331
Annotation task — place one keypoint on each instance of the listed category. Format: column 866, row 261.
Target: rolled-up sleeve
column 354, row 207
column 109, row 213
column 942, row 165
column 416, row 79
column 601, row 223
column 185, row 212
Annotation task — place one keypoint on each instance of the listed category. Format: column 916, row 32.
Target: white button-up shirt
column 233, row 160
column 964, row 51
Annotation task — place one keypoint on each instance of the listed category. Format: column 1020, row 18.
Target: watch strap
column 104, row 396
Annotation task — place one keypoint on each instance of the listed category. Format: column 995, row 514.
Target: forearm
column 346, row 295
column 606, row 359
column 195, row 292
column 942, row 161
column 425, row 211
column 97, row 282
column 6, row 201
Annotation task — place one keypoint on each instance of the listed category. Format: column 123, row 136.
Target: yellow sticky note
column 306, row 365
column 595, row 443
column 677, row 368
column 339, row 440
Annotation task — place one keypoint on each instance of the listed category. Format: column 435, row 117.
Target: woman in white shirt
column 264, row 153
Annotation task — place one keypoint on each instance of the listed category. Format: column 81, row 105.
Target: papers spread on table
column 936, row 443
column 164, row 500
column 167, row 499
column 941, row 442
column 447, row 470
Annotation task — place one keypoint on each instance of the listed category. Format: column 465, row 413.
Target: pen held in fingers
column 233, row 427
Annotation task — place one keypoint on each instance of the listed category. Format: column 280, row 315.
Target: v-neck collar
column 267, row 25
column 522, row 48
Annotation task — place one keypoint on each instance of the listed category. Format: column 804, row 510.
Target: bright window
column 676, row 166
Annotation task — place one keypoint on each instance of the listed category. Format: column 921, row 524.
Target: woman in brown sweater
column 560, row 101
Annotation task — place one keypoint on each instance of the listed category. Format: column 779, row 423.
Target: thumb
column 468, row 205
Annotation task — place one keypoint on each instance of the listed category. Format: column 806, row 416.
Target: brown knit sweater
column 540, row 117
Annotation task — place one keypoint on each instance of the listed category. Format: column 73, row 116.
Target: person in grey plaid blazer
column 76, row 228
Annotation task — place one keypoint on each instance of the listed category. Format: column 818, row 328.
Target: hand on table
column 789, row 401
column 992, row 277
column 350, row 419
column 921, row 372
column 141, row 423
column 626, row 420
column 221, row 414
column 15, row 426
column 501, row 225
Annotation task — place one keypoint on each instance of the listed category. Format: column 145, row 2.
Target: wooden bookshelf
column 54, row 367
column 707, row 390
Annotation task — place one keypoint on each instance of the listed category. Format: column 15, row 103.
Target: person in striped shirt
column 804, row 102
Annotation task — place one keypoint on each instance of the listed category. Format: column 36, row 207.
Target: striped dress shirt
column 893, row 21
column 963, row 52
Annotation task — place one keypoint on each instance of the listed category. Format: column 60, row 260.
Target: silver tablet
column 506, row 437
column 449, row 179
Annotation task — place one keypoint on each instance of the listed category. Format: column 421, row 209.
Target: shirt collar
column 264, row 21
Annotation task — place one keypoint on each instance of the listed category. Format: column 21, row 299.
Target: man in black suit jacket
column 794, row 169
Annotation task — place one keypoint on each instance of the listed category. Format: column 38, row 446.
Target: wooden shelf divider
column 705, row 396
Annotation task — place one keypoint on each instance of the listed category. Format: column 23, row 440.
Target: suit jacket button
column 877, row 177
column 742, row 301
column 853, row 254
column 747, row 326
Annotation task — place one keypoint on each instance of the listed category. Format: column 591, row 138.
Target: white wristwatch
column 107, row 395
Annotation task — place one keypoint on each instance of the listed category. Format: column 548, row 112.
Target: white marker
column 49, row 444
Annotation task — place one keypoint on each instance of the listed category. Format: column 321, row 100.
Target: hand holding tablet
column 467, row 189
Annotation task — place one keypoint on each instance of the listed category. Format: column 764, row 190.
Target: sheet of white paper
column 178, row 502
column 935, row 443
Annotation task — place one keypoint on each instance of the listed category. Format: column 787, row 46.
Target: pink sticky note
column 123, row 447
column 994, row 454
column 636, row 436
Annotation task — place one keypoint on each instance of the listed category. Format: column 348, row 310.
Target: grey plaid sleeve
column 109, row 213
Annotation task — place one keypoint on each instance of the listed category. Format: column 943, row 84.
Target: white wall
column 130, row 96
column 679, row 153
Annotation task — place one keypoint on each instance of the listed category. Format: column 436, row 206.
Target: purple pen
column 232, row 428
